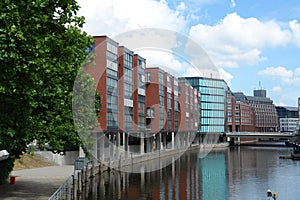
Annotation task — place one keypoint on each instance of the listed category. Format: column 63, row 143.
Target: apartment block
column 189, row 107
column 265, row 111
column 139, row 93
column 266, row 118
column 105, row 73
column 240, row 115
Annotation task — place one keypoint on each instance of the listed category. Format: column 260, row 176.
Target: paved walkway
column 38, row 183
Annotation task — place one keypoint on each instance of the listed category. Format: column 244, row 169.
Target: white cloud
column 164, row 60
column 111, row 17
column 295, row 27
column 181, row 6
column 276, row 89
column 282, row 75
column 297, row 71
column 276, row 72
column 226, row 76
column 237, row 41
column 232, row 5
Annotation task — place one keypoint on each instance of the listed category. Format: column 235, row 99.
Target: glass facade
column 212, row 103
column 128, row 89
column 161, row 100
column 141, row 95
column 112, row 85
column 176, row 104
column 169, row 101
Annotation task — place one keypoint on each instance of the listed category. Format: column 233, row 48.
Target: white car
column 3, row 155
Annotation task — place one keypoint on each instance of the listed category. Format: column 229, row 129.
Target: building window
column 128, row 91
column 112, row 86
column 141, row 107
column 128, row 118
column 141, row 122
column 150, row 112
column 128, row 60
column 128, row 75
column 148, row 77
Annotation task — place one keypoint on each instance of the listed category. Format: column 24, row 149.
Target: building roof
column 259, row 99
column 288, row 108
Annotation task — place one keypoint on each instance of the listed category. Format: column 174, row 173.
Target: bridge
column 261, row 135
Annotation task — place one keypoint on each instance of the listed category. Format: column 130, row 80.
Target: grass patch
column 29, row 161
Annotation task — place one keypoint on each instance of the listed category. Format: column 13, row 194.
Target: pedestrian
column 269, row 194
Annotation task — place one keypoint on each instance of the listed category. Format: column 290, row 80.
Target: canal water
column 235, row 173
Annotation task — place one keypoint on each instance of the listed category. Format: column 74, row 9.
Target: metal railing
column 63, row 189
column 68, row 189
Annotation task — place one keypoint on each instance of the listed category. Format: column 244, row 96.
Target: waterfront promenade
column 37, row 183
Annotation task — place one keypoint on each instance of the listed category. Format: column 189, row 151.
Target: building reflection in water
column 189, row 177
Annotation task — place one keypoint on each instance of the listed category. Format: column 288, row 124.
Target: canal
column 227, row 173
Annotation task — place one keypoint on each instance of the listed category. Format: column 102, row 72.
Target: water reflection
column 238, row 173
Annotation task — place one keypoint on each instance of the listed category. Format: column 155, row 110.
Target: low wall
column 58, row 159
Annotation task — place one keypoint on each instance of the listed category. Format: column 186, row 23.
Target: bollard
column 100, row 168
column 13, row 180
column 93, row 169
column 83, row 177
column 86, row 176
column 79, row 182
column 68, row 193
column 120, row 163
column 75, row 187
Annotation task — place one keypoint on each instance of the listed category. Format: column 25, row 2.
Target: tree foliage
column 42, row 49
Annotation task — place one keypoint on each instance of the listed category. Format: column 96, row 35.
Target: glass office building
column 212, row 103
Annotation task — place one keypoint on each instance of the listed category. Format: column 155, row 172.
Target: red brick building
column 240, row 116
column 265, row 114
column 105, row 74
column 139, row 106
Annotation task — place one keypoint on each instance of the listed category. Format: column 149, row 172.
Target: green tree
column 42, row 49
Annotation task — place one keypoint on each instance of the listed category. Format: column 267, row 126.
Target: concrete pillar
column 158, row 141
column 142, row 139
column 173, row 141
column 102, row 140
column 153, row 143
column 142, row 178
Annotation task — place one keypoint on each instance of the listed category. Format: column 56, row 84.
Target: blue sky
column 248, row 41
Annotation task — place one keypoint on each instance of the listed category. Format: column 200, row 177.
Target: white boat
column 3, row 155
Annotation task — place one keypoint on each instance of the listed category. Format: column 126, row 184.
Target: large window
column 169, row 120
column 148, row 77
column 128, row 60
column 128, row 75
column 141, row 122
column 169, row 101
column 128, row 118
column 112, row 86
column 128, row 91
column 112, row 120
column 141, row 107
column 112, row 103
column 176, row 121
